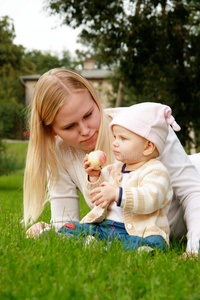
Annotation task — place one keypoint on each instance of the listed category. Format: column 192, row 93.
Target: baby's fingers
column 89, row 169
column 95, row 191
column 104, row 204
column 87, row 164
column 85, row 158
column 95, row 198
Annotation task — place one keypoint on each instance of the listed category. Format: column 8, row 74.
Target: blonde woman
column 66, row 123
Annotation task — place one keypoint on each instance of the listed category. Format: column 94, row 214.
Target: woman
column 66, row 123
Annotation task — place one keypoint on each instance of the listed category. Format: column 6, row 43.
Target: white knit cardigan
column 146, row 201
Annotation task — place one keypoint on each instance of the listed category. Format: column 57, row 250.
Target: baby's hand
column 105, row 194
column 90, row 170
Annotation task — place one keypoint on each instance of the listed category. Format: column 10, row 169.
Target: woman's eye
column 69, row 127
column 88, row 115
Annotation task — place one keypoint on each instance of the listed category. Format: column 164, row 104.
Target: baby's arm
column 105, row 194
column 97, row 214
column 153, row 193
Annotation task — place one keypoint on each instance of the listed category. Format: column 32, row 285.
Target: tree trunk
column 119, row 95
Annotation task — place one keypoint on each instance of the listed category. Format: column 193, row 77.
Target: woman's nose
column 84, row 129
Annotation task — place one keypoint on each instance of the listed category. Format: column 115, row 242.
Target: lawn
column 56, row 268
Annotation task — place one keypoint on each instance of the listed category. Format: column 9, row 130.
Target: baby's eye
column 123, row 138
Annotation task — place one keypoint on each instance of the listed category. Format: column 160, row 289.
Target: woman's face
column 77, row 121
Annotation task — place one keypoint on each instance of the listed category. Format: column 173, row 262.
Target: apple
column 97, row 159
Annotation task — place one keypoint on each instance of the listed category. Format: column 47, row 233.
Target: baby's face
column 128, row 147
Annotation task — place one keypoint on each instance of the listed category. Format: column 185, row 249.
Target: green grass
column 13, row 159
column 56, row 268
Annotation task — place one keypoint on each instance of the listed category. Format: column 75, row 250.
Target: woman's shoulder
column 61, row 146
column 66, row 154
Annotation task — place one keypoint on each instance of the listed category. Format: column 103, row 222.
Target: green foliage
column 1, row 153
column 12, row 66
column 46, row 61
column 12, row 119
column 12, row 63
column 155, row 45
column 12, row 109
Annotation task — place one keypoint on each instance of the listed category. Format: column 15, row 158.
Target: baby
column 137, row 191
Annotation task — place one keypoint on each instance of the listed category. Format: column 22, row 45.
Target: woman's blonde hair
column 51, row 92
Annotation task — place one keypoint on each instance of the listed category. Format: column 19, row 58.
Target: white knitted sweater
column 146, row 200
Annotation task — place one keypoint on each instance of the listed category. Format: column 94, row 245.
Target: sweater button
column 129, row 226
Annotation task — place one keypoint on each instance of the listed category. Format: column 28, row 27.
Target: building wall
column 96, row 77
column 29, row 91
column 104, row 91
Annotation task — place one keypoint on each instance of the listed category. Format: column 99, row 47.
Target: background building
column 97, row 77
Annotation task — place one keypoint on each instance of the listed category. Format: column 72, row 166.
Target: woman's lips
column 89, row 139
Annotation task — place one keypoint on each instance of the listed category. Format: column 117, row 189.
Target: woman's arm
column 64, row 200
column 185, row 182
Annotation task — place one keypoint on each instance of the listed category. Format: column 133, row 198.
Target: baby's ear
column 149, row 148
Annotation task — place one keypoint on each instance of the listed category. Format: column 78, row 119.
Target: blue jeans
column 110, row 230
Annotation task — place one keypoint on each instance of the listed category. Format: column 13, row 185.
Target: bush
column 12, row 120
column 8, row 164
column 12, row 157
column 2, row 149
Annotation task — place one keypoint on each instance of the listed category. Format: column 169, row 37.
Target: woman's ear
column 53, row 132
column 50, row 130
column 149, row 148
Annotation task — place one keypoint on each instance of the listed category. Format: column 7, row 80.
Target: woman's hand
column 35, row 229
column 93, row 174
column 105, row 194
column 192, row 250
column 193, row 240
column 190, row 256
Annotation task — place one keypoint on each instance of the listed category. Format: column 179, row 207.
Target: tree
column 12, row 65
column 12, row 61
column 154, row 44
column 45, row 61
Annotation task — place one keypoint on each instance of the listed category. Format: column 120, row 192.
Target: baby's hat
column 149, row 120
